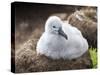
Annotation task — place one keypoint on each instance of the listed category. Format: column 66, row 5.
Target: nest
column 27, row 60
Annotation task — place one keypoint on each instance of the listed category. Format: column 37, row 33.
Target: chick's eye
column 54, row 26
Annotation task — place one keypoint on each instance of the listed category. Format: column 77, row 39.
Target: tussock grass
column 93, row 55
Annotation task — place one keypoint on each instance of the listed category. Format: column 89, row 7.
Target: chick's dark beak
column 61, row 32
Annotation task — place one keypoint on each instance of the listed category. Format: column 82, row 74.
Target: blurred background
column 30, row 20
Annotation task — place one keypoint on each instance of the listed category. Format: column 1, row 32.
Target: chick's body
column 56, row 46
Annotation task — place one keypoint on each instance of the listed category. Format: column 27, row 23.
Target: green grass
column 93, row 54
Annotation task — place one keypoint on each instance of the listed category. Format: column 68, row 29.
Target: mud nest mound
column 27, row 60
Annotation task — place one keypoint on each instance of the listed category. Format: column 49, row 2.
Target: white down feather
column 55, row 46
